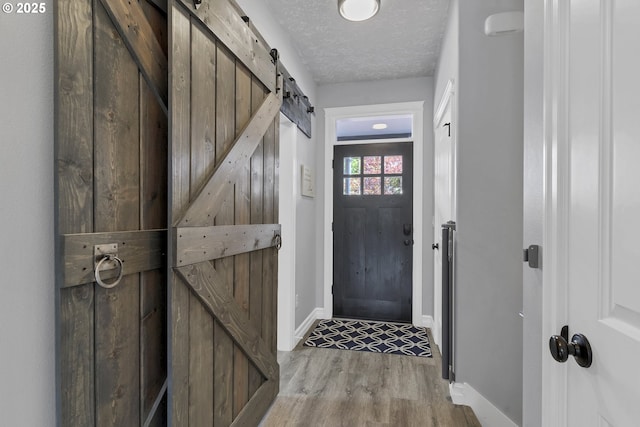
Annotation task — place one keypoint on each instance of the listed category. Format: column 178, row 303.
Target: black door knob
column 579, row 348
column 435, row 246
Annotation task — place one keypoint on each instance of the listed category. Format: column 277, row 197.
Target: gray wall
column 27, row 384
column 383, row 92
column 489, row 95
column 448, row 62
column 533, row 213
column 307, row 246
column 306, row 208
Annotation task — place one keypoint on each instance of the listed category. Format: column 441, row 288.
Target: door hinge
column 531, row 255
column 332, row 289
column 331, row 226
column 333, row 164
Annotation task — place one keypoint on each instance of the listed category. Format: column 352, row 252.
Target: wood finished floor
column 324, row 387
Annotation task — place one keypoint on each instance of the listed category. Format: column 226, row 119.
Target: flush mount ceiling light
column 358, row 10
column 379, row 126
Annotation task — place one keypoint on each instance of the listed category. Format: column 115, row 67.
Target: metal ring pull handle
column 277, row 241
column 113, row 284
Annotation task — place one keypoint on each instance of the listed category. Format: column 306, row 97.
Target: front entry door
column 373, row 231
column 593, row 210
column 223, row 213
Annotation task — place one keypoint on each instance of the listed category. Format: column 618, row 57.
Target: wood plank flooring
column 324, row 387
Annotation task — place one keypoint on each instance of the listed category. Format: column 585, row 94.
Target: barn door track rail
column 295, row 104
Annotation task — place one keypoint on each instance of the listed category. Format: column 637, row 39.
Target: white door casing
column 443, row 193
column 416, row 109
column 592, row 206
column 287, row 260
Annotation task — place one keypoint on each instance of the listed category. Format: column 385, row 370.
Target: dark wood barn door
column 224, row 214
column 373, row 231
column 111, row 188
column 197, row 212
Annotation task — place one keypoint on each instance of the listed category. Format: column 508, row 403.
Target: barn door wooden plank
column 256, row 258
column 209, row 286
column 180, row 131
column 242, row 261
column 227, row 172
column 201, row 358
column 74, row 192
column 153, row 215
column 223, row 20
column 270, row 259
column 137, row 34
column 117, row 208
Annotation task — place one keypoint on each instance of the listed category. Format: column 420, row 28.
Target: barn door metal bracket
column 106, row 258
column 277, row 241
column 274, row 55
column 197, row 3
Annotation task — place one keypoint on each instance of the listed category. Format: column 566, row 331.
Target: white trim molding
column 287, row 256
column 556, row 187
column 487, row 413
column 447, row 95
column 416, row 109
column 316, row 313
column 447, row 102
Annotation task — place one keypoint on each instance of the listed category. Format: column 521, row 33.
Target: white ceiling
column 402, row 40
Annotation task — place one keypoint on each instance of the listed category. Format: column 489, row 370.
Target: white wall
column 489, row 95
column 383, row 92
column 306, row 208
column 27, row 333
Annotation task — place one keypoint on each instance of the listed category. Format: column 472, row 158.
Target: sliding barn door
column 223, row 285
column 111, row 198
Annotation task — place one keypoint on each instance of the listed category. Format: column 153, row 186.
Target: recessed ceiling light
column 379, row 126
column 358, row 10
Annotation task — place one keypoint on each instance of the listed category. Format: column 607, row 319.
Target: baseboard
column 426, row 322
column 316, row 313
column 487, row 413
column 436, row 330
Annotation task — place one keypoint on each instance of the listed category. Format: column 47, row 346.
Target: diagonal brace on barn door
column 207, row 284
column 137, row 34
column 206, row 204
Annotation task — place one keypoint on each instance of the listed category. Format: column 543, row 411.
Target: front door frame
column 416, row 109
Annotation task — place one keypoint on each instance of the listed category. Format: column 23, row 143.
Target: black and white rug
column 377, row 337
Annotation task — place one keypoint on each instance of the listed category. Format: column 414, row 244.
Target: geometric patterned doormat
column 376, row 337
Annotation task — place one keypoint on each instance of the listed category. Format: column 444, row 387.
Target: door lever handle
column 407, row 229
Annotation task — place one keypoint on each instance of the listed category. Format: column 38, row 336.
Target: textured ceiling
column 402, row 40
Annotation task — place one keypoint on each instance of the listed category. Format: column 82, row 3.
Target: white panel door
column 594, row 214
column 443, row 183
